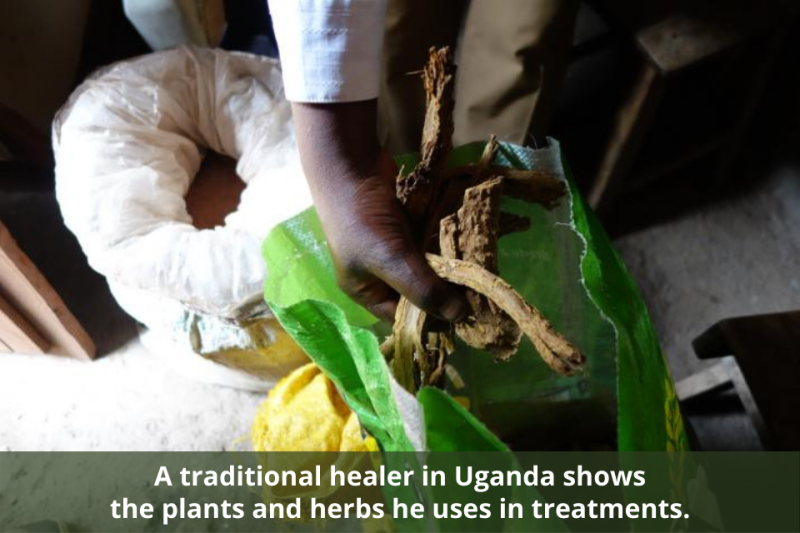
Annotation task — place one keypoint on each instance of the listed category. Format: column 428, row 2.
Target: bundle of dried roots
column 457, row 215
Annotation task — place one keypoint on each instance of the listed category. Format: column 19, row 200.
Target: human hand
column 352, row 181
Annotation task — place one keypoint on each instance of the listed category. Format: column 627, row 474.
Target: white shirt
column 330, row 49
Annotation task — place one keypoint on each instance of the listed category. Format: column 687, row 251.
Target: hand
column 353, row 184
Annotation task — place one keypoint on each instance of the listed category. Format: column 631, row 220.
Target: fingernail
column 455, row 310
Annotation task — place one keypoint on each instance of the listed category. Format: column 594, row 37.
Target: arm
column 331, row 60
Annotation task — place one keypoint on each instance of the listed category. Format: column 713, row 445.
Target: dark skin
column 352, row 182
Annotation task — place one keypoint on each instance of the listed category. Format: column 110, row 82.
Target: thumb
column 412, row 277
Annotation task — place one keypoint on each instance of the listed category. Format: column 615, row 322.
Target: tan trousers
column 511, row 60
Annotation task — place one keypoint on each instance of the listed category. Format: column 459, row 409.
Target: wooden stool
column 763, row 368
column 694, row 57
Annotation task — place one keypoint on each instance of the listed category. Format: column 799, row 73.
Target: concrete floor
column 738, row 257
column 129, row 398
column 735, row 252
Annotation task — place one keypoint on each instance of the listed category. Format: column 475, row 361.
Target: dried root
column 471, row 234
column 457, row 213
column 556, row 351
column 414, row 191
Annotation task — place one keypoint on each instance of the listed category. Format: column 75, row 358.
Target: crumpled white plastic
column 128, row 144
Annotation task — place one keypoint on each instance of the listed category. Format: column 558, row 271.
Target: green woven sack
column 564, row 265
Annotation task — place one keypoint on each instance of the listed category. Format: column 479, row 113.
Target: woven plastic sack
column 564, row 265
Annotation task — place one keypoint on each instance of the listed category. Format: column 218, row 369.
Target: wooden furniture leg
column 764, row 369
column 632, row 122
column 32, row 309
column 17, row 335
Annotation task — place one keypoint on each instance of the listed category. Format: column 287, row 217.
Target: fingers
column 378, row 297
column 411, row 276
column 385, row 310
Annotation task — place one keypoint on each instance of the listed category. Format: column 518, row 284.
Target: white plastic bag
column 127, row 146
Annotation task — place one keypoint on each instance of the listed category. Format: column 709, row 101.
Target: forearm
column 336, row 141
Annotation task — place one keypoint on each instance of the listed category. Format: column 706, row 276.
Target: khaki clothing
column 511, row 59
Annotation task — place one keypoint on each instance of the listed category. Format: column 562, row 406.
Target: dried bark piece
column 532, row 186
column 448, row 237
column 387, row 348
column 432, row 367
column 471, row 234
column 554, row 349
column 457, row 184
column 461, row 215
column 420, row 193
column 452, row 195
column 417, row 190
column 479, row 223
column 489, row 153
column 409, row 326
column 419, row 356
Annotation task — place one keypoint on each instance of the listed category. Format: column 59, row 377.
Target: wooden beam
column 26, row 290
column 631, row 123
column 17, row 334
column 684, row 41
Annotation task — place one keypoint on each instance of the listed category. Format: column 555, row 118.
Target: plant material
column 414, row 190
column 456, row 212
column 471, row 235
column 415, row 347
column 556, row 351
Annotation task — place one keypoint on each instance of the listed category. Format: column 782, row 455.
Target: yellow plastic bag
column 305, row 413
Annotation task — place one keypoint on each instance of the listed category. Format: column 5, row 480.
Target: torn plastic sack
column 565, row 266
column 128, row 144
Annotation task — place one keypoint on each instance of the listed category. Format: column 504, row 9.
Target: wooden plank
column 27, row 290
column 683, row 41
column 713, row 378
column 19, row 335
column 767, row 353
column 767, row 350
column 631, row 124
